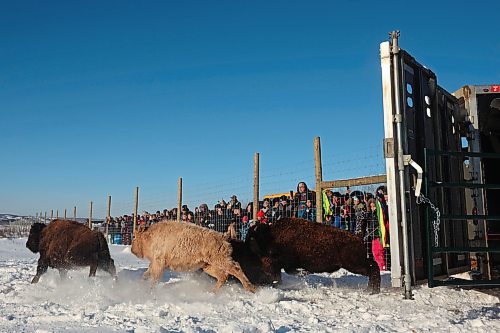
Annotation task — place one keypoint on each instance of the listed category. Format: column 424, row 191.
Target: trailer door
column 429, row 119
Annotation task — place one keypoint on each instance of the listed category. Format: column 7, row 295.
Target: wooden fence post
column 90, row 216
column 64, row 213
column 319, row 179
column 256, row 179
column 108, row 217
column 179, row 201
column 74, row 213
column 51, row 215
column 136, row 208
column 57, row 214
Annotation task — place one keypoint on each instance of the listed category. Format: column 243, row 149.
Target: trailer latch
column 408, row 161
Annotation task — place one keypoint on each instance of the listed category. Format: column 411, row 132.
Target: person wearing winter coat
column 359, row 217
column 300, row 199
column 266, row 208
column 310, row 212
column 249, row 211
column 336, row 208
column 374, row 246
column 234, row 203
column 220, row 220
column 245, row 225
column 261, row 217
column 275, row 210
column 235, row 218
column 285, row 207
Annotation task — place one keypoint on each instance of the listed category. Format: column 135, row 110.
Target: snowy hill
column 7, row 218
column 184, row 302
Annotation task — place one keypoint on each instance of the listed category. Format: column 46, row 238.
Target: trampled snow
column 184, row 302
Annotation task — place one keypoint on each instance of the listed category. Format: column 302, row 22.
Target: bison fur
column 187, row 247
column 259, row 272
column 65, row 244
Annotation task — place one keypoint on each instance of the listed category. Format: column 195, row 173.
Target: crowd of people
column 360, row 213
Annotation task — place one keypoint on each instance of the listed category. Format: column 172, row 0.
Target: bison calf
column 296, row 243
column 65, row 244
column 187, row 247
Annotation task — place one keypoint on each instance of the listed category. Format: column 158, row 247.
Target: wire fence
column 17, row 228
column 226, row 204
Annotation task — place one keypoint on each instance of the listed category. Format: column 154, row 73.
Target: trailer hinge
column 389, row 148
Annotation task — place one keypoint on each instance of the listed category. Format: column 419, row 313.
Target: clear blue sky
column 98, row 97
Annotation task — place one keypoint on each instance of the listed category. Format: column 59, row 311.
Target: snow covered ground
column 184, row 302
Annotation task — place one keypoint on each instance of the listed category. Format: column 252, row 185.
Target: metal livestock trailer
column 441, row 152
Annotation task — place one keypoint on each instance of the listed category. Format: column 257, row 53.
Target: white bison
column 187, row 247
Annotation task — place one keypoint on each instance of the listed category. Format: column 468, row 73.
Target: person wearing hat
column 261, row 217
column 284, row 210
column 234, row 203
column 245, row 225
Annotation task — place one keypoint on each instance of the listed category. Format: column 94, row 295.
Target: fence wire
column 226, row 205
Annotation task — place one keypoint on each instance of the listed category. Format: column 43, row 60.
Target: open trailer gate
column 427, row 133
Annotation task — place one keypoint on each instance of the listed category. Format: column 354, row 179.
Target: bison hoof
column 35, row 279
column 372, row 291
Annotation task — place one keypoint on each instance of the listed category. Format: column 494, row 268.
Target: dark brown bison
column 296, row 243
column 65, row 244
column 259, row 272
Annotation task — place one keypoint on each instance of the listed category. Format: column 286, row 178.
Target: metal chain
column 421, row 199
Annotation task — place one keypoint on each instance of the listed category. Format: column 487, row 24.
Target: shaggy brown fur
column 65, row 244
column 297, row 243
column 256, row 270
column 187, row 247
